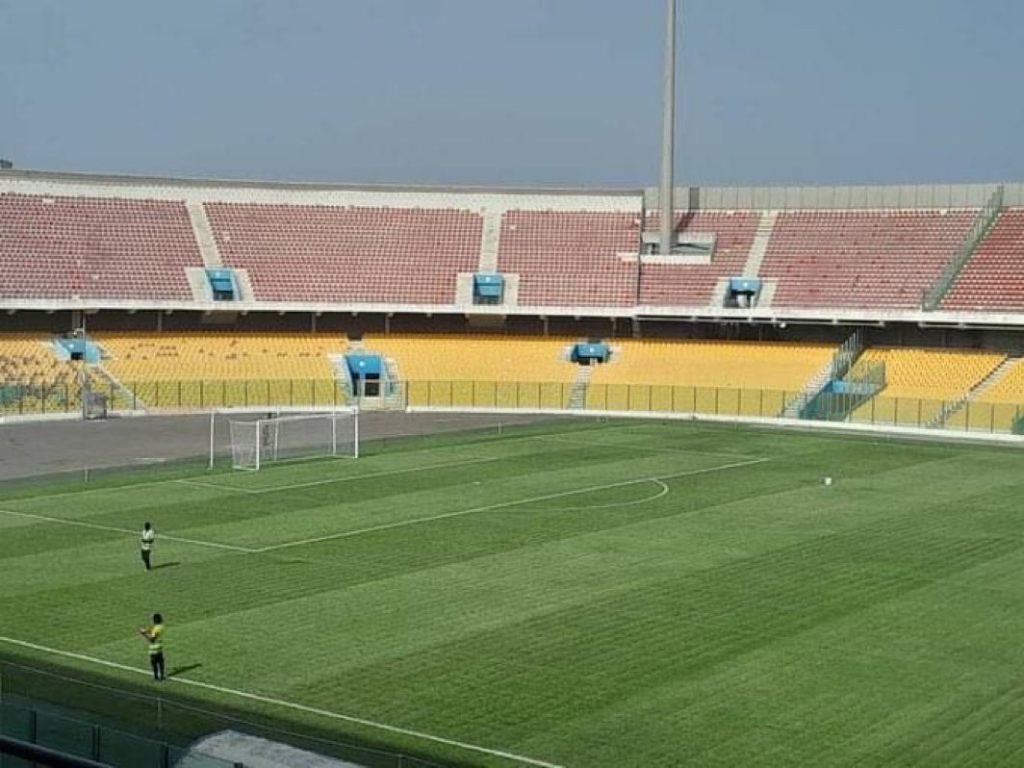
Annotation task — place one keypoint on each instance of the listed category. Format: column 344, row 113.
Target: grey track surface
column 43, row 447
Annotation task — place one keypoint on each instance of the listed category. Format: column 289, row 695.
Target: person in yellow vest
column 146, row 540
column 154, row 634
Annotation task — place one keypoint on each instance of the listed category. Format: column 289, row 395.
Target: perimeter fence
column 883, row 410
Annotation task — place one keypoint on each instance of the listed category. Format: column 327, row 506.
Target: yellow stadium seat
column 919, row 381
column 724, row 377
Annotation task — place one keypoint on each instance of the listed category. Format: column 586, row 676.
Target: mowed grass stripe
column 751, row 650
column 362, row 503
column 379, row 556
column 590, row 489
column 588, row 657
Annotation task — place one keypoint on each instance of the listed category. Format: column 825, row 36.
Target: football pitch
column 584, row 593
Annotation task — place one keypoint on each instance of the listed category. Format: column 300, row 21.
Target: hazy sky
column 564, row 92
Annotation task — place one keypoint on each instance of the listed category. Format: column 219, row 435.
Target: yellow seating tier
column 28, row 359
column 1009, row 388
column 430, row 357
column 732, row 364
column 919, row 381
column 996, row 407
column 33, row 378
column 219, row 356
column 942, row 374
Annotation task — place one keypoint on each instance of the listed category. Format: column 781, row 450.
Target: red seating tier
column 876, row 259
column 993, row 278
column 693, row 285
column 62, row 247
column 348, row 254
column 571, row 258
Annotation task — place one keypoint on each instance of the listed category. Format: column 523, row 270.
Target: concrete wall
column 844, row 197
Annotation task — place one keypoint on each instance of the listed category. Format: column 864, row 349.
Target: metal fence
column 646, row 398
column 127, row 726
column 81, row 738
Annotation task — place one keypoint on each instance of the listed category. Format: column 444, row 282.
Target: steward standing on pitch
column 146, row 542
column 155, row 636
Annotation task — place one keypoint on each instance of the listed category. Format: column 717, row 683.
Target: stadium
column 465, row 475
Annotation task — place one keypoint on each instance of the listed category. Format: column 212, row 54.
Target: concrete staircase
column 488, row 261
column 121, row 398
column 949, row 409
column 578, row 391
column 758, row 248
column 836, row 367
column 203, row 233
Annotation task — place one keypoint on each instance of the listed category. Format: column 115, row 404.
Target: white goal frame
column 265, row 435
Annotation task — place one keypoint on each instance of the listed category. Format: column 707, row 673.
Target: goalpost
column 256, row 442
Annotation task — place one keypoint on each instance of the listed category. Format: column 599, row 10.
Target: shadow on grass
column 171, row 564
column 171, row 715
column 175, row 671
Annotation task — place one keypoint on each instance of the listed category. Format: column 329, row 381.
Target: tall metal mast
column 668, row 129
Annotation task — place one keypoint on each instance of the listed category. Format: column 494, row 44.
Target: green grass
column 689, row 605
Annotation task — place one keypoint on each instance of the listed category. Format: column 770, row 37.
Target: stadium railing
column 117, row 723
column 160, row 396
column 61, row 739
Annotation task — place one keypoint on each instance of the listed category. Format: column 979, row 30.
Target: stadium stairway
column 837, row 366
column 992, row 402
column 920, row 381
column 578, row 391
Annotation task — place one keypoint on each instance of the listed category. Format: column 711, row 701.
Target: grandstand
column 214, row 293
column 113, row 241
column 880, row 308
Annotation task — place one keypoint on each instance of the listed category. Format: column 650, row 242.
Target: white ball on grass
column 827, row 481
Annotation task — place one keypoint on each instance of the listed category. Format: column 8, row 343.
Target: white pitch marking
column 626, row 446
column 328, row 480
column 503, row 504
column 287, row 704
column 663, row 492
column 147, row 483
column 97, row 526
column 215, row 486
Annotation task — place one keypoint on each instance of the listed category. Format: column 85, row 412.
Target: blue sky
column 514, row 92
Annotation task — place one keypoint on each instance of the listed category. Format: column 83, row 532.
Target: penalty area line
column 513, row 503
column 98, row 527
column 286, row 704
column 345, row 479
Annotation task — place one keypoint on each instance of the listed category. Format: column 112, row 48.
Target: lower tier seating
column 32, row 377
column 218, row 356
column 919, row 381
column 484, row 370
column 730, row 377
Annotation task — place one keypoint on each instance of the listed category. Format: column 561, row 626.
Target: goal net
column 258, row 442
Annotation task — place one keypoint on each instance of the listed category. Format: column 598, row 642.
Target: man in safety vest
column 155, row 636
column 146, row 540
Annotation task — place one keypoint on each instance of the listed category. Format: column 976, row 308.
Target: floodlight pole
column 668, row 129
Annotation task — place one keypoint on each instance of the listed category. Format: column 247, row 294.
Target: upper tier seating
column 876, row 259
column 993, row 278
column 67, row 247
column 348, row 254
column 571, row 258
column 219, row 356
column 693, row 285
